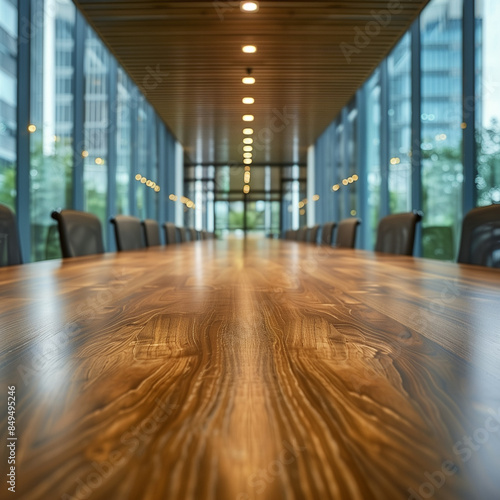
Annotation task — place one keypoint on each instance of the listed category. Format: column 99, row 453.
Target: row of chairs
column 345, row 237
column 80, row 234
column 479, row 244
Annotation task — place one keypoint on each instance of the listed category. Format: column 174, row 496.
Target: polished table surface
column 252, row 370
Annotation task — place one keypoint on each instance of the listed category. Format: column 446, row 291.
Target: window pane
column 51, row 143
column 442, row 170
column 487, row 102
column 8, row 102
column 399, row 111
column 372, row 158
column 96, row 64
column 123, row 144
column 142, row 152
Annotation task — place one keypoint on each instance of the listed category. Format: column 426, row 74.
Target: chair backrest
column 193, row 236
column 396, row 233
column 312, row 234
column 128, row 233
column 80, row 233
column 327, row 233
column 480, row 241
column 170, row 233
column 182, row 234
column 302, row 233
column 10, row 248
column 346, row 233
column 151, row 232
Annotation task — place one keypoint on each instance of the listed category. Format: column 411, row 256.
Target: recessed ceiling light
column 247, row 161
column 248, row 118
column 248, row 80
column 248, row 131
column 247, row 155
column 248, row 100
column 247, row 148
column 247, row 140
column 249, row 49
column 246, row 188
column 249, row 6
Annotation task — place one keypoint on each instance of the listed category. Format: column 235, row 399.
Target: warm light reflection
column 247, row 168
column 316, row 197
column 246, row 188
column 247, row 140
column 355, row 177
column 31, row 128
column 143, row 180
column 138, row 177
column 247, row 148
column 85, row 154
column 246, row 177
column 345, row 182
column 336, row 187
column 247, row 161
column 248, row 131
column 249, row 6
column 247, row 155
column 99, row 161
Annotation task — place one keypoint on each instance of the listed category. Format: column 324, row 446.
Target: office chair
column 10, row 247
column 346, row 233
column 170, row 233
column 327, row 233
column 480, row 240
column 151, row 232
column 396, row 233
column 128, row 233
column 80, row 233
column 312, row 234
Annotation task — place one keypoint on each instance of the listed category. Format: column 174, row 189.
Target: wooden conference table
column 259, row 370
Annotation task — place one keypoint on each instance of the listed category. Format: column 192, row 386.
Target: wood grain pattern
column 258, row 370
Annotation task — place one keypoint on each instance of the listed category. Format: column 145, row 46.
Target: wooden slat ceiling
column 187, row 58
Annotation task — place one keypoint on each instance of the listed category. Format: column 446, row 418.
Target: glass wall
column 51, row 140
column 81, row 104
column 399, row 125
column 372, row 158
column 487, row 102
column 96, row 68
column 441, row 132
column 8, row 101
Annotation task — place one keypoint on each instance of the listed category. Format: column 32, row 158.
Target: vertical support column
column 311, row 185
column 416, row 111
column 469, row 105
column 112, row 146
column 78, row 111
column 384, row 140
column 23, row 120
column 134, row 166
column 361, row 145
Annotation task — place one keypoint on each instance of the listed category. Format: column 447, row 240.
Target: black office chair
column 302, row 233
column 312, row 234
column 181, row 234
column 480, row 240
column 151, row 232
column 80, row 233
column 346, row 233
column 396, row 233
column 128, row 233
column 192, row 234
column 10, row 248
column 170, row 233
column 327, row 233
